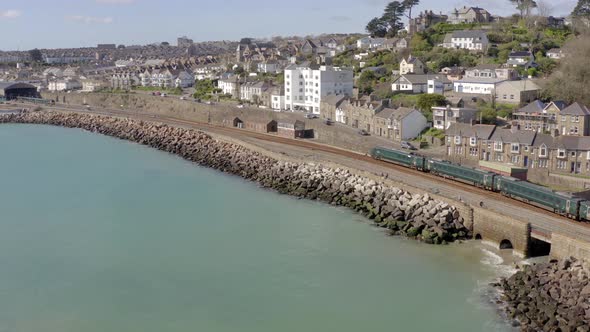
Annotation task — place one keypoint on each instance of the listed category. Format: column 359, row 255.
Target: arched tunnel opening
column 539, row 248
column 506, row 245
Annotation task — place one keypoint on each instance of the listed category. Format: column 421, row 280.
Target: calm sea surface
column 98, row 234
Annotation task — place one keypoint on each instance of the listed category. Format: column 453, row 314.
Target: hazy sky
column 27, row 24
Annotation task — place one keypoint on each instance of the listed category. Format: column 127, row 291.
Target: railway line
column 543, row 222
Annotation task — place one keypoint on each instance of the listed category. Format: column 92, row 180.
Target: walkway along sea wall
column 413, row 215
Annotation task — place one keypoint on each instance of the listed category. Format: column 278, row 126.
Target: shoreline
column 422, row 218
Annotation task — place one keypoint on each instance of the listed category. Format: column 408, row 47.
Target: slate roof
column 526, row 137
column 522, row 85
column 423, row 78
column 576, row 109
column 466, row 130
column 580, row 143
column 536, row 106
column 468, row 34
column 394, row 113
column 520, row 54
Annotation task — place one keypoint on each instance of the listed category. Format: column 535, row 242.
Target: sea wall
column 417, row 216
column 502, row 230
column 563, row 247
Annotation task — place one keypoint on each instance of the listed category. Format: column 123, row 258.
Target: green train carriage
column 543, row 197
column 399, row 157
column 479, row 178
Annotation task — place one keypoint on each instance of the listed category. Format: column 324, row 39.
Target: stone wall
column 563, row 247
column 220, row 114
column 495, row 228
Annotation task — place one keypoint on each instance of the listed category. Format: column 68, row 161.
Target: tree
column 377, row 28
column 392, row 16
column 36, row 55
column 425, row 102
column 367, row 81
column 582, row 9
column 409, row 4
column 581, row 16
column 544, row 8
column 524, row 6
column 571, row 80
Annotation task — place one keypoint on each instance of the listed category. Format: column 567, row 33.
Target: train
column 563, row 204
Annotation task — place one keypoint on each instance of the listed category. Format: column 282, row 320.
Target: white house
column 412, row 65
column 443, row 117
column 477, row 85
column 64, row 85
column 369, row 43
column 473, row 40
column 229, row 86
column 269, row 66
column 277, row 99
column 306, row 85
column 92, row 85
column 555, row 54
column 415, row 83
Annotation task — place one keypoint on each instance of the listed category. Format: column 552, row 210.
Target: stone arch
column 478, row 236
column 506, row 244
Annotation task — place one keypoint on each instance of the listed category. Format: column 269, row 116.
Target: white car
column 311, row 116
column 240, row 106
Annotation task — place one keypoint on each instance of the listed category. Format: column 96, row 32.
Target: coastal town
column 435, row 110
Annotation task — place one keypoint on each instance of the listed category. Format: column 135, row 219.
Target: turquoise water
column 98, row 234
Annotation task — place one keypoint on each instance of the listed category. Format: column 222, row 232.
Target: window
column 473, row 141
column 511, row 97
column 449, row 141
column 573, row 154
column 543, row 151
column 563, row 118
column 498, row 146
column 526, row 148
column 588, row 155
column 515, row 148
column 543, row 163
column 473, row 152
column 458, row 150
column 499, row 157
column 561, row 164
column 457, row 140
column 576, row 118
column 515, row 159
column 560, row 153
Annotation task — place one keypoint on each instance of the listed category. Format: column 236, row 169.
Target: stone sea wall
column 554, row 296
column 417, row 216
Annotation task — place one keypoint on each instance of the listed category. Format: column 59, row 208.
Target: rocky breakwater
column 553, row 296
column 413, row 215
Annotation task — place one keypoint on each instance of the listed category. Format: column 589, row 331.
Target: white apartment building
column 306, row 85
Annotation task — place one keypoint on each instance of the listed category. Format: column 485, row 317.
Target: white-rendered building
column 473, row 40
column 306, row 85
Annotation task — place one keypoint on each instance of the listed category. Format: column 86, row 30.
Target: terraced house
column 554, row 118
column 543, row 156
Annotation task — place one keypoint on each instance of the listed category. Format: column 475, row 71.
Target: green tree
column 582, row 9
column 408, row 5
column 425, row 102
column 377, row 28
column 524, row 6
column 392, row 16
column 571, row 80
column 366, row 82
column 36, row 55
column 204, row 89
column 419, row 44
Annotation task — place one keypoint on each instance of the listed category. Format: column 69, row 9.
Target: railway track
column 489, row 195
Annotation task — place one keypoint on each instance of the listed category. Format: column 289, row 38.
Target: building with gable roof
column 469, row 15
column 412, row 65
column 473, row 40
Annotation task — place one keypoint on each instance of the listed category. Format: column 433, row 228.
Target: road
column 543, row 222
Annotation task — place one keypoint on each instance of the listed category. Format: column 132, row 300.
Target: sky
column 28, row 24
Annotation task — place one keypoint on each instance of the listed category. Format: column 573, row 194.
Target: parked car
column 363, row 132
column 183, row 98
column 240, row 106
column 311, row 116
column 328, row 122
column 408, row 146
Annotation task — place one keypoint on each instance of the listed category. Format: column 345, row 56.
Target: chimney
column 555, row 133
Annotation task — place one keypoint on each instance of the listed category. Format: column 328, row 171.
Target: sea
column 100, row 234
